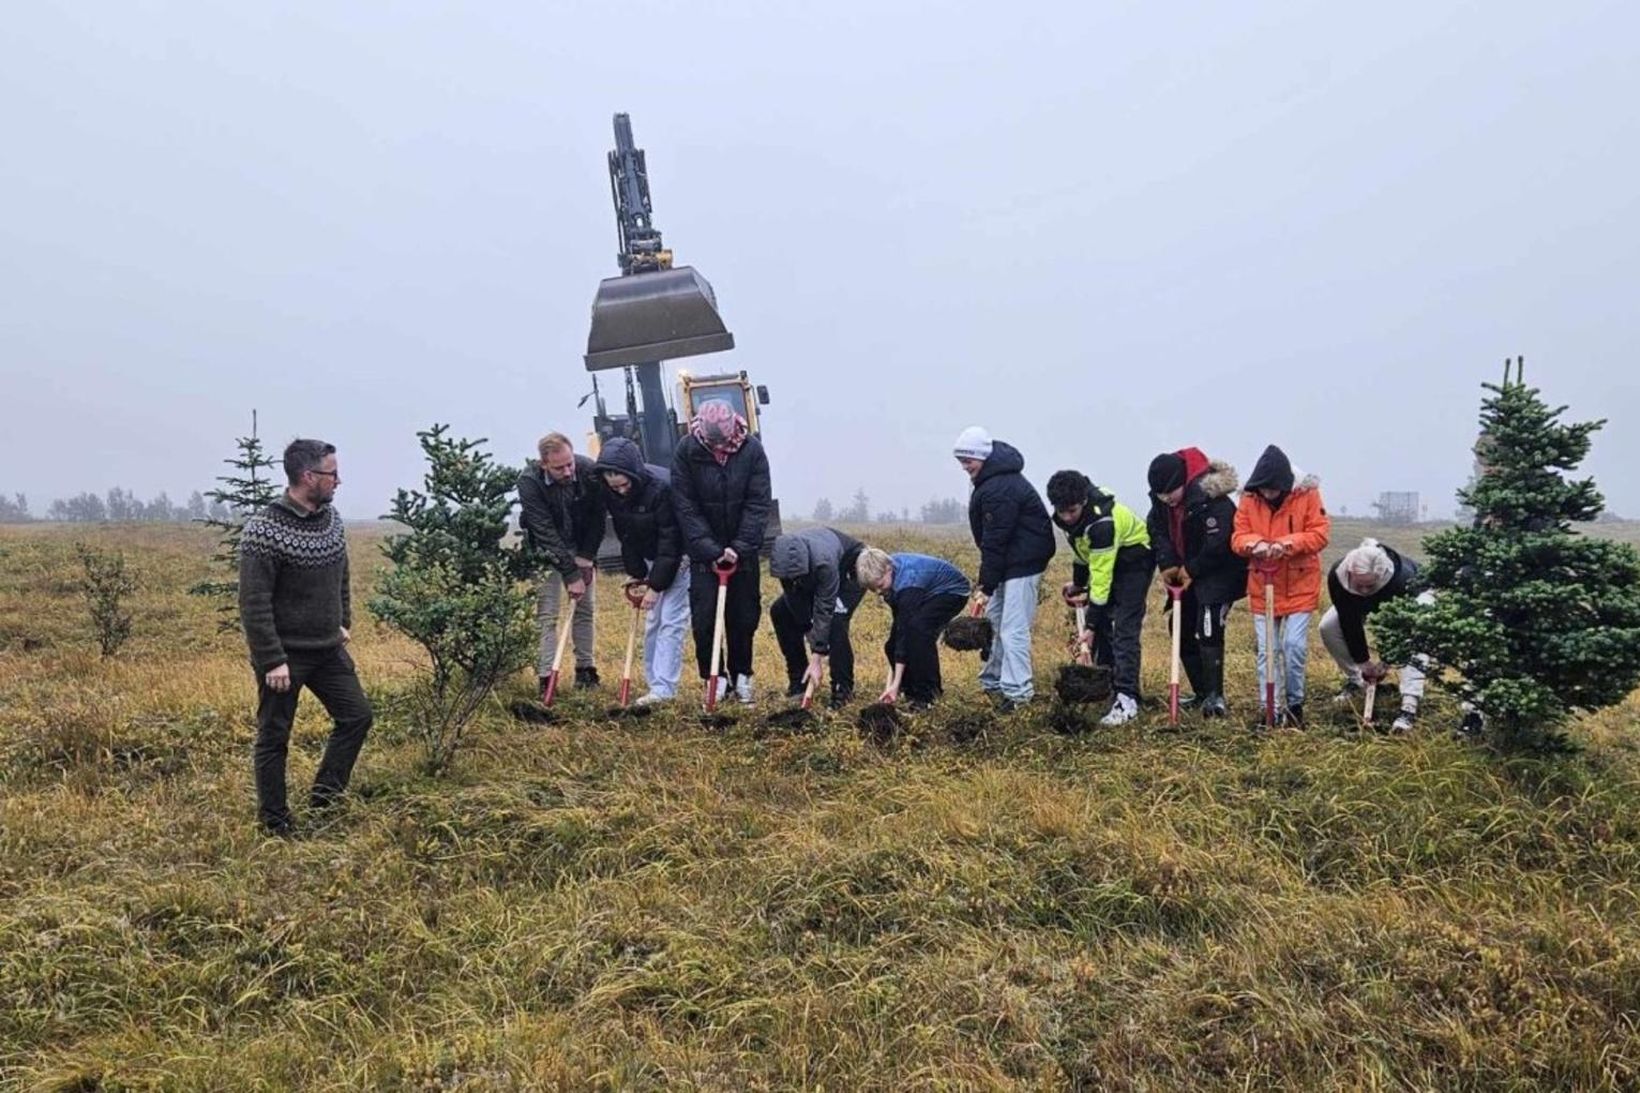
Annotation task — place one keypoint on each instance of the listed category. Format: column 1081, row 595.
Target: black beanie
column 1166, row 472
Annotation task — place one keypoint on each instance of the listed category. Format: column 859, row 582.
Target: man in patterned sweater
column 296, row 610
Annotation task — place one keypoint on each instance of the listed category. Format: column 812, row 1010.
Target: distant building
column 1398, row 507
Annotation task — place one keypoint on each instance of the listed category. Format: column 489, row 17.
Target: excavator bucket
column 655, row 316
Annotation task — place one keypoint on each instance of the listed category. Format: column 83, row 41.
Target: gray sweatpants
column 581, row 626
column 1012, row 611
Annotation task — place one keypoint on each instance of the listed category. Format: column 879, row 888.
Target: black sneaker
column 1014, row 705
column 1472, row 727
column 279, row 829
column 586, row 679
column 840, row 697
column 1215, row 706
column 1294, row 718
column 795, row 688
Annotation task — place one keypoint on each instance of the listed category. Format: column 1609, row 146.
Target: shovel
column 626, row 709
column 1082, row 681
column 1175, row 594
column 550, row 691
column 720, row 635
column 1267, row 571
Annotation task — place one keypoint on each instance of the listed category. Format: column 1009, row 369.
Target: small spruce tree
column 1530, row 620
column 455, row 589
column 249, row 488
column 106, row 584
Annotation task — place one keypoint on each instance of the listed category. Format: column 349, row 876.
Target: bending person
column 1369, row 575
column 923, row 594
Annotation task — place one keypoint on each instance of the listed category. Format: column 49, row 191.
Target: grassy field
column 649, row 904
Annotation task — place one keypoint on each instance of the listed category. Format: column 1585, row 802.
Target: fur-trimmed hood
column 1219, row 480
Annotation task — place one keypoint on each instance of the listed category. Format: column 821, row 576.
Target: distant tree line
column 947, row 510
column 117, row 506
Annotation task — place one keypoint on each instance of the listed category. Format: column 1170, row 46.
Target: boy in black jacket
column 1010, row 526
column 720, row 489
column 1191, row 520
column 563, row 522
column 640, row 506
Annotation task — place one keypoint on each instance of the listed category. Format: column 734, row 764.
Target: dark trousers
column 793, row 615
column 743, row 610
column 918, row 622
column 1203, row 629
column 330, row 675
column 1118, row 626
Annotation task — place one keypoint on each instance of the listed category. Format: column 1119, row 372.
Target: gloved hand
column 1374, row 671
column 1073, row 594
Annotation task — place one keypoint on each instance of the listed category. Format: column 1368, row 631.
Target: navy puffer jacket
column 1009, row 521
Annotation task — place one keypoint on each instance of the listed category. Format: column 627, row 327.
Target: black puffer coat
column 1217, row 574
column 644, row 520
column 721, row 506
column 1009, row 521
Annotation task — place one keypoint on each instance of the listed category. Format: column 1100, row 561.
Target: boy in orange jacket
column 1282, row 527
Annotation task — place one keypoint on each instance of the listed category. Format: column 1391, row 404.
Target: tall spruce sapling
column 1531, row 620
column 248, row 489
column 455, row 588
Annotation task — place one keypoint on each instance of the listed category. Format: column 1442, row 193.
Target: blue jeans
column 1012, row 611
column 1294, row 631
column 664, row 629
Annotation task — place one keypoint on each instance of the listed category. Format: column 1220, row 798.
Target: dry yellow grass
column 649, row 904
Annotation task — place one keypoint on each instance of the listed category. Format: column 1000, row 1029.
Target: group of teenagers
column 694, row 526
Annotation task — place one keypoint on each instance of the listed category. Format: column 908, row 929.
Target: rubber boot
column 1213, row 704
column 1191, row 661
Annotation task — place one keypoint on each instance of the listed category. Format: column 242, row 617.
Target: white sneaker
column 651, row 699
column 1123, row 710
column 743, row 690
column 1405, row 721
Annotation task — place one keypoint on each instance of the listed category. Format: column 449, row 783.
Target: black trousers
column 793, row 616
column 1203, row 629
column 743, row 610
column 1119, row 625
column 918, row 622
column 330, row 675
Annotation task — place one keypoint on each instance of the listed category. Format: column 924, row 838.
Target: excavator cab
column 732, row 387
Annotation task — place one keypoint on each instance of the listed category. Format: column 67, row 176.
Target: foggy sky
column 1100, row 230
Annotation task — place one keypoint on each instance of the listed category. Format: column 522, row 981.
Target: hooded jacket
column 815, row 568
column 562, row 520
column 721, row 505
column 1106, row 535
column 1297, row 520
column 1196, row 533
column 1009, row 522
column 645, row 523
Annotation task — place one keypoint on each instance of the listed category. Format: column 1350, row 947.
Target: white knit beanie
column 1368, row 558
column 973, row 443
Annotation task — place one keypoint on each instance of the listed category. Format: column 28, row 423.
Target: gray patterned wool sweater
column 293, row 582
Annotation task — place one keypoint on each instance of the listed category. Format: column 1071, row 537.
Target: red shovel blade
column 551, row 690
column 626, row 692
column 711, row 694
column 1172, row 703
column 1270, row 703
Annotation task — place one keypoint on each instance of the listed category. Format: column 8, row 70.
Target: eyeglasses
column 332, row 474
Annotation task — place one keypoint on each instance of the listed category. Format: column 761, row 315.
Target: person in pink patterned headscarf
column 720, row 492
column 720, row 429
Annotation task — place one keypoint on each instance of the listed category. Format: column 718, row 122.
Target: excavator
column 650, row 313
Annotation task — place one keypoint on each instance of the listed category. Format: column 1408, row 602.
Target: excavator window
column 732, row 393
